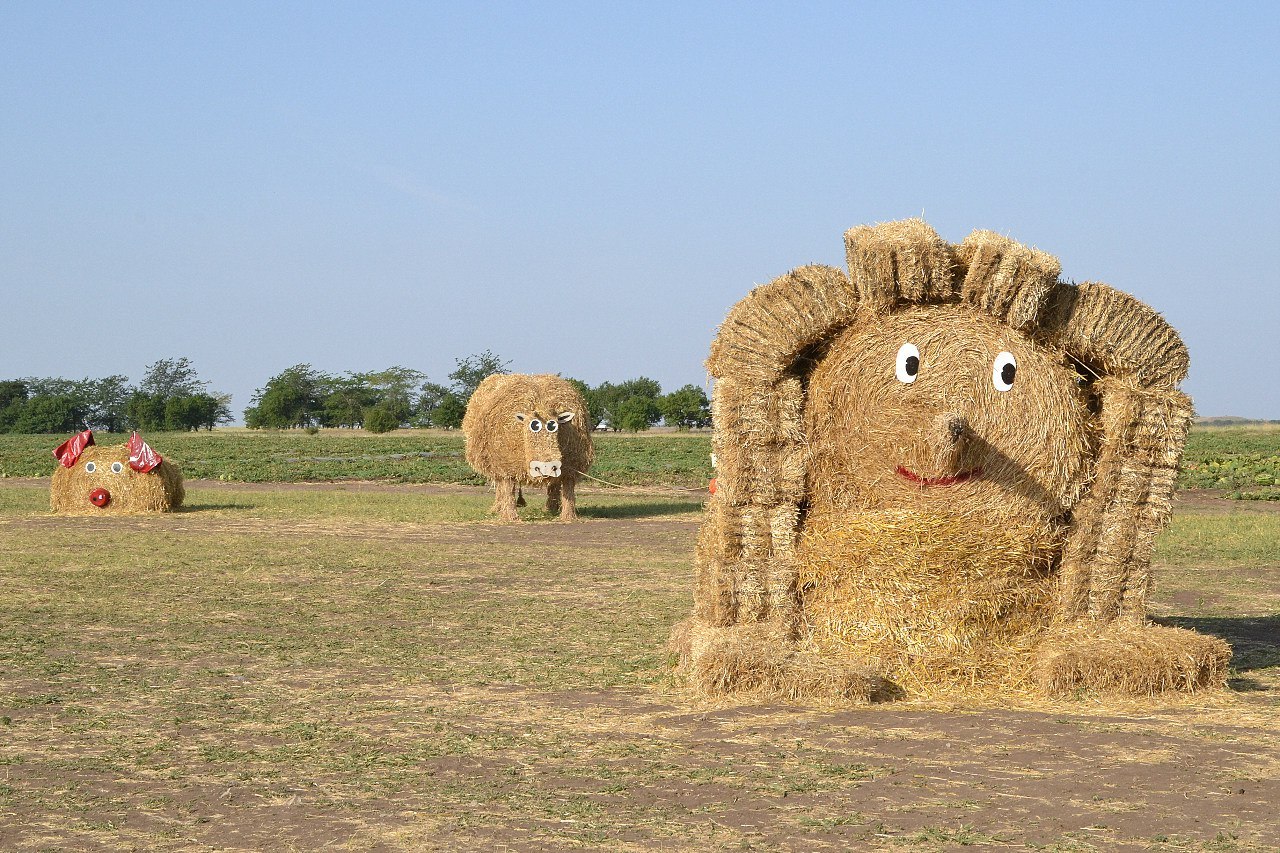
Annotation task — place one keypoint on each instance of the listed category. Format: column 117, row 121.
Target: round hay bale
column 99, row 472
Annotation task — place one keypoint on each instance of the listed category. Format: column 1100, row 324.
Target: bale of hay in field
column 529, row 430
column 124, row 479
column 1130, row 659
column 934, row 601
column 927, row 466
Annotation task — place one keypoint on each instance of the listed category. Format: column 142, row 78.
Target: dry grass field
column 378, row 667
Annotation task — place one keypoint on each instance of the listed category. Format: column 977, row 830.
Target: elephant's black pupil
column 912, row 365
column 1007, row 373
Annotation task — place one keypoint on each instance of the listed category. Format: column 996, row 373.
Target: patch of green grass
column 1237, row 539
column 407, row 456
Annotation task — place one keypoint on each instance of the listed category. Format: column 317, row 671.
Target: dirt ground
column 1198, row 773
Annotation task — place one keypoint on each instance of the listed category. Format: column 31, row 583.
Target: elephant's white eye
column 535, row 425
column 90, row 467
column 116, row 467
column 908, row 363
column 1003, row 371
column 552, row 426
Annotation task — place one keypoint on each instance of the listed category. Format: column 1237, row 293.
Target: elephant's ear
column 1138, row 360
column 745, row 553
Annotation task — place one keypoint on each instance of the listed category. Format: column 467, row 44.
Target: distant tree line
column 303, row 396
column 171, row 396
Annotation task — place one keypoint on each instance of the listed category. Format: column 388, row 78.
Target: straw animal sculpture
column 529, row 430
column 944, row 471
column 123, row 479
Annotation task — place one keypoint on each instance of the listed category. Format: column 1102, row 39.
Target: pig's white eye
column 552, row 426
column 535, row 425
column 90, row 467
column 116, row 467
column 908, row 364
column 1003, row 370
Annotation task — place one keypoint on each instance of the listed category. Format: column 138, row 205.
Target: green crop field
column 1244, row 461
column 407, row 456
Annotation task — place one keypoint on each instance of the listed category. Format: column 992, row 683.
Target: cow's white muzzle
column 544, row 469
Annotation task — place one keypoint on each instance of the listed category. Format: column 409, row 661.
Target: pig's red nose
column 99, row 497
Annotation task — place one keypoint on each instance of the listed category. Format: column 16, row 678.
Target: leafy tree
column 106, row 401
column 294, row 398
column 449, row 412
column 685, row 408
column 13, row 396
column 172, row 377
column 347, row 400
column 380, row 418
column 50, row 413
column 473, row 370
column 637, row 413
column 430, row 396
column 146, row 412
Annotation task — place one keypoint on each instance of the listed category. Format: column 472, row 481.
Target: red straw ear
column 141, row 457
column 69, row 451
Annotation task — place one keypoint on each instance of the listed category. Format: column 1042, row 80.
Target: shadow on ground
column 1255, row 640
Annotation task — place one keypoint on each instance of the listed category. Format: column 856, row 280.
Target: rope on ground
column 646, row 488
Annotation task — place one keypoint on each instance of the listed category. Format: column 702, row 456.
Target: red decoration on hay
column 99, row 497
column 69, row 451
column 141, row 457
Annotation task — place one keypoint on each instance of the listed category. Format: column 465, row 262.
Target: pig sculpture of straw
column 944, row 470
column 524, row 430
column 124, row 479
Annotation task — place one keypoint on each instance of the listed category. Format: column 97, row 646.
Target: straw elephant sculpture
column 945, row 469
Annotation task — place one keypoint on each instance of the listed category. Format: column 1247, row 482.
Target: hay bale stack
column 931, row 466
column 936, row 602
column 529, row 430
column 93, row 479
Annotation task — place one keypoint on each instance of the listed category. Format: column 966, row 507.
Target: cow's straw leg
column 505, row 499
column 568, row 504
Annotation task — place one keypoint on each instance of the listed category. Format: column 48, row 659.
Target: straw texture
column 131, row 492
column 942, row 469
column 500, row 444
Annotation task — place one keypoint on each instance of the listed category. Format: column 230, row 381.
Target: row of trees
column 171, row 396
column 302, row 396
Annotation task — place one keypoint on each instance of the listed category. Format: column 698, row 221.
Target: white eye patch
column 1003, row 371
column 907, row 365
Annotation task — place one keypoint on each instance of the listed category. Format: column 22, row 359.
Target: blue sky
column 587, row 188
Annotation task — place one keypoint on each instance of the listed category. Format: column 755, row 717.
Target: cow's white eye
column 90, row 467
column 535, row 425
column 1003, row 371
column 552, row 426
column 116, row 467
column 908, row 364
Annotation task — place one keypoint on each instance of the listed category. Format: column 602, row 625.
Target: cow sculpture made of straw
column 122, row 479
column 529, row 430
column 944, row 471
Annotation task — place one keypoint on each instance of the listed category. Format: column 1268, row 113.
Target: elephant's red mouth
column 949, row 480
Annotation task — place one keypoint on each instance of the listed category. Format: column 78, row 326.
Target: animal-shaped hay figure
column 524, row 430
column 124, row 479
column 944, row 471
